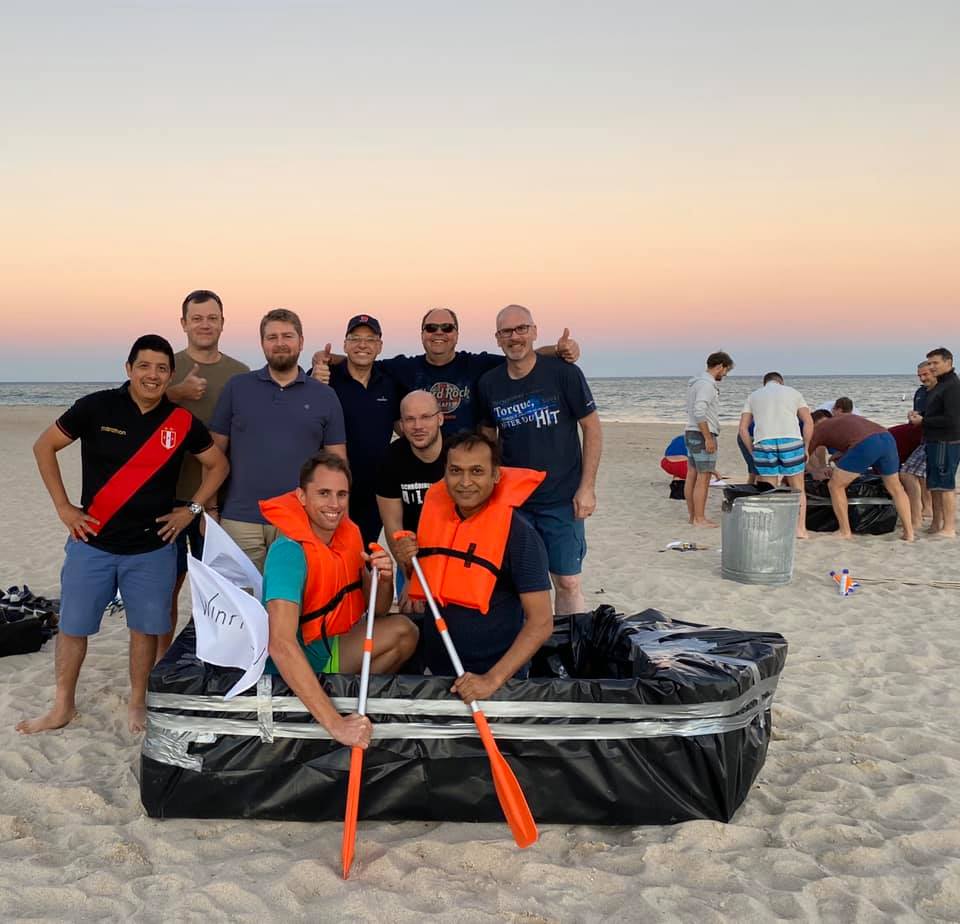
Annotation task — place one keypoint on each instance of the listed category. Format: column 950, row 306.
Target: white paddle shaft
column 367, row 655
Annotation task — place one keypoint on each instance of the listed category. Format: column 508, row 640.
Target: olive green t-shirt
column 217, row 375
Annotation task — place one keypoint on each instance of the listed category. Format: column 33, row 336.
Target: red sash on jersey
column 141, row 467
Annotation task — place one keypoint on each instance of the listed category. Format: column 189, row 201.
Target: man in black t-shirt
column 409, row 467
column 122, row 537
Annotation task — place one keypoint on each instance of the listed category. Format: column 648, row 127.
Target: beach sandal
column 15, row 596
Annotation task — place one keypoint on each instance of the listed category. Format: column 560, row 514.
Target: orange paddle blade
column 353, row 807
column 512, row 800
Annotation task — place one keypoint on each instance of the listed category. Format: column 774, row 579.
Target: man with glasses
column 450, row 375
column 537, row 403
column 409, row 467
column 371, row 406
column 913, row 470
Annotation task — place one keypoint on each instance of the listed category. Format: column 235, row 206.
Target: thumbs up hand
column 568, row 348
column 321, row 365
column 194, row 386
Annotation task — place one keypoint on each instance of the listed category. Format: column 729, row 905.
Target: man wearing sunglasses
column 537, row 403
column 449, row 374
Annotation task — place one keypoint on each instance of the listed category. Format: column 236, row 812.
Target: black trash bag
column 865, row 519
column 678, row 489
column 23, row 635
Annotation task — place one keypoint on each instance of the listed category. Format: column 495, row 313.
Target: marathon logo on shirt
column 450, row 396
column 539, row 410
column 168, row 438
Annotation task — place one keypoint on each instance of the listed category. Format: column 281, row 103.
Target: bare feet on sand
column 136, row 718
column 55, row 718
column 839, row 535
column 803, row 534
column 705, row 523
column 907, row 537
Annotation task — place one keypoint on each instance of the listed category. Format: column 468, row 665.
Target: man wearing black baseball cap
column 371, row 405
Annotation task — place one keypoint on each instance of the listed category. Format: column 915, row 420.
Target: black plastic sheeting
column 865, row 519
column 644, row 662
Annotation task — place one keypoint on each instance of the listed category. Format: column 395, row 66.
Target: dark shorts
column 942, row 462
column 697, row 455
column 192, row 536
column 878, row 451
column 90, row 579
column 747, row 457
column 564, row 536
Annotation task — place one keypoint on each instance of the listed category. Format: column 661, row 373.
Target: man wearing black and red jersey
column 122, row 537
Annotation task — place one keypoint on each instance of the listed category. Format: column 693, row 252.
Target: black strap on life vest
column 329, row 607
column 469, row 557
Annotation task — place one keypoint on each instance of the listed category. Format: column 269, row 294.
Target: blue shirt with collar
column 273, row 429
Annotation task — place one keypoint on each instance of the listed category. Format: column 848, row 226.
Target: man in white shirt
column 778, row 444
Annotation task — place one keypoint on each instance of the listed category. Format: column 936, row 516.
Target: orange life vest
column 333, row 594
column 461, row 558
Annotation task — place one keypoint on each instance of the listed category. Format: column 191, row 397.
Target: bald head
column 420, row 421
column 419, row 402
column 514, row 311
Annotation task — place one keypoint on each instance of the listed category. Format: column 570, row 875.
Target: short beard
column 283, row 363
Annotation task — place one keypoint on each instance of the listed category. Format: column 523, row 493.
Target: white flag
column 232, row 626
column 222, row 554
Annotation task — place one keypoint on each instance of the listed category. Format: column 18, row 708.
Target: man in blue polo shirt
column 371, row 406
column 268, row 421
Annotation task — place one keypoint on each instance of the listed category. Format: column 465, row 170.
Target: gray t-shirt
column 217, row 375
column 703, row 403
column 273, row 430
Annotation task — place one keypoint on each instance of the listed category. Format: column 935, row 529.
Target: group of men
column 782, row 440
column 488, row 477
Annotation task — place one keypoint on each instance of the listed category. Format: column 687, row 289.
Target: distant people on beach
column 782, row 434
column 122, row 537
column 703, row 428
column 858, row 445
column 198, row 379
column 913, row 469
column 941, row 433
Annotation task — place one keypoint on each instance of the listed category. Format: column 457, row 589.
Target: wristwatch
column 194, row 508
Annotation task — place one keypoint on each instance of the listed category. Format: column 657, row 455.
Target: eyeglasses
column 434, row 328
column 521, row 330
column 422, row 419
column 354, row 338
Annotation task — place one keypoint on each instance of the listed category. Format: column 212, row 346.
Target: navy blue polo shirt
column 273, row 430
column 369, row 413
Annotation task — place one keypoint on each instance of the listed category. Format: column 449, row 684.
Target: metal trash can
column 759, row 534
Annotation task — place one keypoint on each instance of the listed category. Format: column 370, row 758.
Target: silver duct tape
column 265, row 707
column 687, row 728
column 502, row 709
column 169, row 746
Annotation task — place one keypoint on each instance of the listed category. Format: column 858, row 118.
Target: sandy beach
column 855, row 816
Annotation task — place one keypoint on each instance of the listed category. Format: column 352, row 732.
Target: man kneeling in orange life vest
column 486, row 566
column 315, row 587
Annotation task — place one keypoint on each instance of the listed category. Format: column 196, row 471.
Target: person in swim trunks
column 859, row 445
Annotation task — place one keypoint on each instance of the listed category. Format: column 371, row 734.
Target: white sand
column 856, row 815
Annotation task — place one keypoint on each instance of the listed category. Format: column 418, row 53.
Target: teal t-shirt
column 284, row 578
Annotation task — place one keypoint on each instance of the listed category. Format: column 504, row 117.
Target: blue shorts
column 878, row 451
column 191, row 535
column 90, row 579
column 564, row 536
column 742, row 446
column 778, row 457
column 942, row 461
column 697, row 456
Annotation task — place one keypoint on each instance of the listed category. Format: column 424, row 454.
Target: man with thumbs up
column 449, row 374
column 201, row 371
column 536, row 404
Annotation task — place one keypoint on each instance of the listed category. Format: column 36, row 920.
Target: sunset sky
column 778, row 180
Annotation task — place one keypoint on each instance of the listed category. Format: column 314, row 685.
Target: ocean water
column 883, row 398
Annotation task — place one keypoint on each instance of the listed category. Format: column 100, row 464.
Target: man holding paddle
column 486, row 566
column 315, row 584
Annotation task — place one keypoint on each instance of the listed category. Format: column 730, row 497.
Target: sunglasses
column 434, row 328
